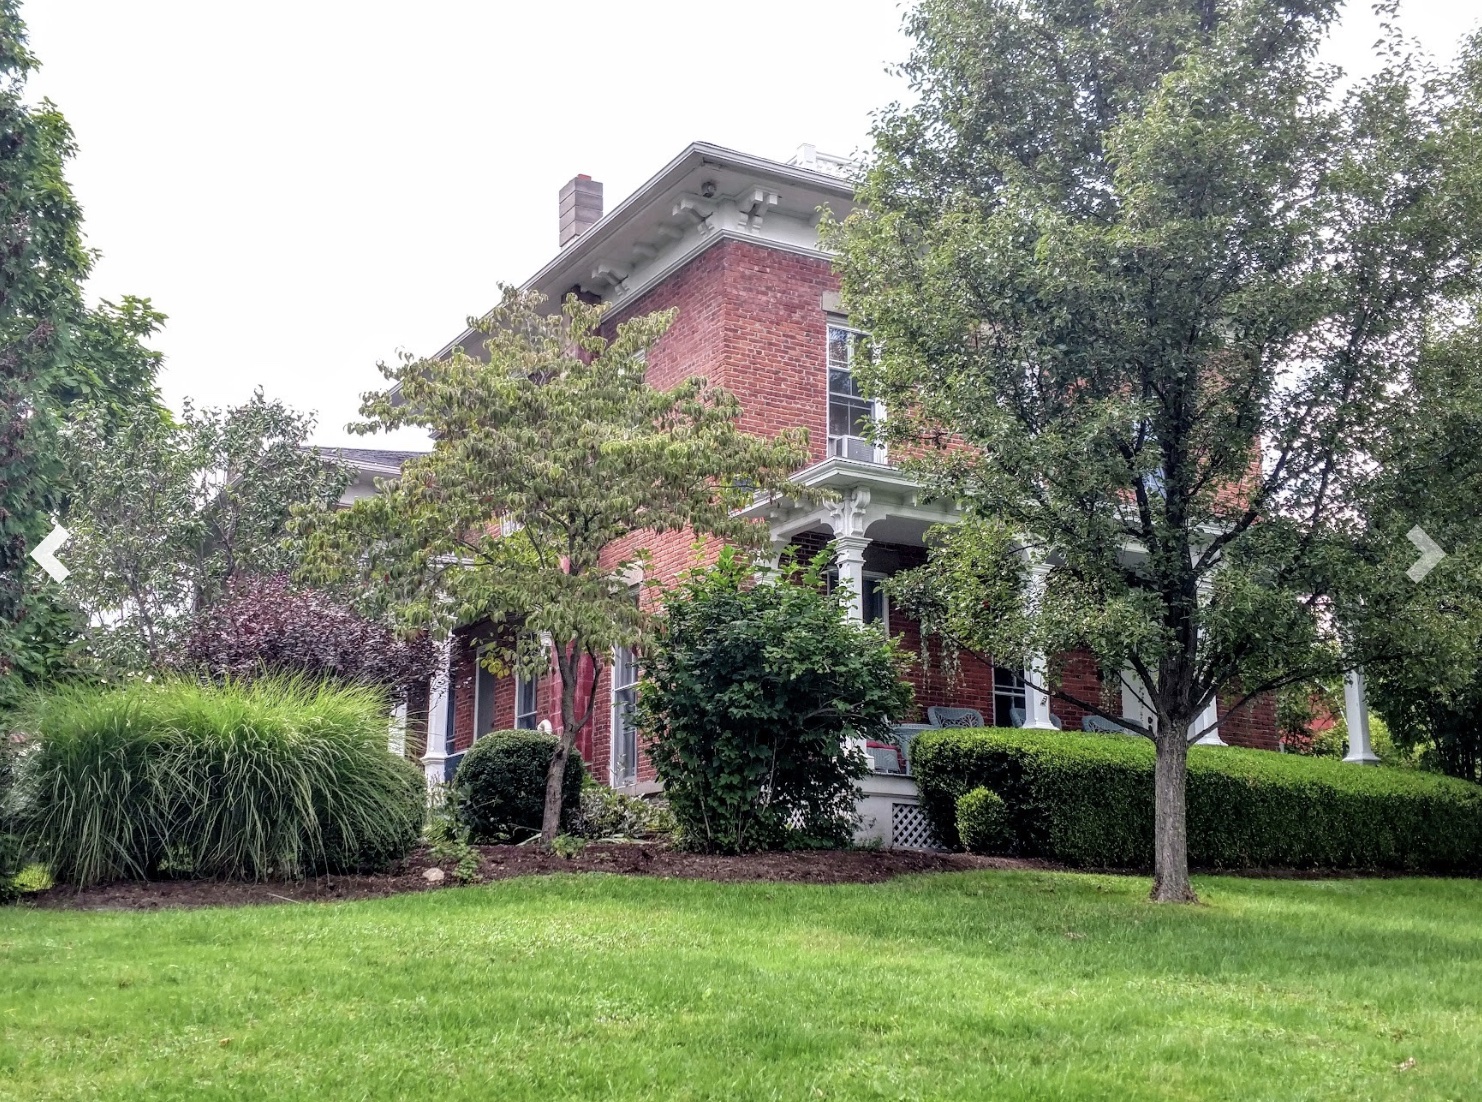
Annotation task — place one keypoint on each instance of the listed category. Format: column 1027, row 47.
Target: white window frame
column 1018, row 689
column 616, row 779
column 876, row 577
column 877, row 408
column 521, row 683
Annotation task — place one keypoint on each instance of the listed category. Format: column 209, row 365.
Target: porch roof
column 867, row 499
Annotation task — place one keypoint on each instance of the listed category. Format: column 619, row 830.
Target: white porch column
column 849, row 518
column 849, row 553
column 1356, row 713
column 396, row 736
column 1134, row 699
column 434, row 761
column 1036, row 700
column 1037, row 670
column 1209, row 718
column 771, row 567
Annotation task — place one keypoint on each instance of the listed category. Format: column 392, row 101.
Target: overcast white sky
column 305, row 186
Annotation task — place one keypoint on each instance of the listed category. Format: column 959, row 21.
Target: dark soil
column 502, row 862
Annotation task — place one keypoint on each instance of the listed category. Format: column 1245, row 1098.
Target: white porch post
column 1037, row 671
column 1208, row 722
column 1036, row 700
column 1208, row 719
column 434, row 761
column 1356, row 713
column 396, row 736
column 850, row 518
column 850, row 555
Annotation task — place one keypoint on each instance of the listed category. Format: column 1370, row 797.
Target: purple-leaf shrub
column 267, row 625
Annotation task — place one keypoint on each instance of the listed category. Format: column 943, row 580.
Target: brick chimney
column 581, row 207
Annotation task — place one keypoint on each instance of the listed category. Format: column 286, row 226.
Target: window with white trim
column 1009, row 697
column 875, row 604
column 849, row 411
column 526, row 702
column 624, row 726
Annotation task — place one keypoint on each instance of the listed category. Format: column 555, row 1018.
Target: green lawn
column 975, row 986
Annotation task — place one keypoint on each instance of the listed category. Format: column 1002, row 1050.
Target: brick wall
column 750, row 319
column 1078, row 675
column 1253, row 725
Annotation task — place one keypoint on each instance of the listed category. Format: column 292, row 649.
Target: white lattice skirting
column 890, row 813
column 909, row 828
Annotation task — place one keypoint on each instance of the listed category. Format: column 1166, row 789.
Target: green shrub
column 279, row 778
column 1089, row 801
column 983, row 821
column 12, row 860
column 499, row 789
column 750, row 696
column 603, row 813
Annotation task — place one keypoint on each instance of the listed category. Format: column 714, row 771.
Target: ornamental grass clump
column 280, row 778
column 12, row 857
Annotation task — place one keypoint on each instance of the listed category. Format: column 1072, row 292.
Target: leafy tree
column 751, row 695
column 55, row 352
column 42, row 263
column 1152, row 288
column 109, row 374
column 553, row 460
column 265, row 625
column 1431, row 475
column 166, row 513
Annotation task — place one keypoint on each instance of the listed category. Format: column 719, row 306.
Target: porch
column 877, row 525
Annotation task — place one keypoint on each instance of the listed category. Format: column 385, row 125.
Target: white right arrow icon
column 45, row 553
column 1430, row 553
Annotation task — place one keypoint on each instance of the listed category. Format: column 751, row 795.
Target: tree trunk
column 1170, row 825
column 555, row 778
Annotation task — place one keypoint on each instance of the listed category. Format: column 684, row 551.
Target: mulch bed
column 503, row 862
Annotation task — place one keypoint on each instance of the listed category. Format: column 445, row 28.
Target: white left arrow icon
column 45, row 553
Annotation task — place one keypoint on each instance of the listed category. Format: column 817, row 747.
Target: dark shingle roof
column 370, row 457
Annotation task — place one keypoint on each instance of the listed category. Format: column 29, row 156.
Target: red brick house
column 731, row 241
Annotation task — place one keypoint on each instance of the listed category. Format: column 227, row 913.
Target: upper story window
column 849, row 412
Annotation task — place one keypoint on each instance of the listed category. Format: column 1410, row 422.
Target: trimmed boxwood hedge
column 499, row 789
column 983, row 821
column 1087, row 800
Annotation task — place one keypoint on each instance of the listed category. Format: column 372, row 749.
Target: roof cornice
column 681, row 240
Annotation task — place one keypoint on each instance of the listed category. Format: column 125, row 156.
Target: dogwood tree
column 1143, row 280
column 553, row 460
